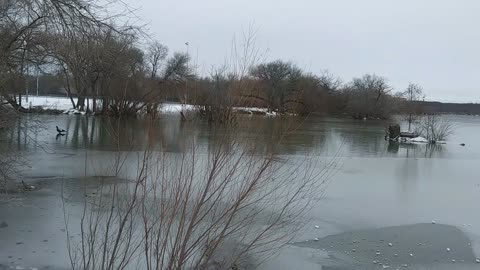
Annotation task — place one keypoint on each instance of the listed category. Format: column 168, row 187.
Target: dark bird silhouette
column 60, row 130
column 462, row 144
column 27, row 187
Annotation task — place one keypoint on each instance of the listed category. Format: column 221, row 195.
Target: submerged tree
column 369, row 97
column 434, row 128
column 279, row 80
column 413, row 95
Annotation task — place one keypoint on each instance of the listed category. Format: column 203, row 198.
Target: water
column 378, row 185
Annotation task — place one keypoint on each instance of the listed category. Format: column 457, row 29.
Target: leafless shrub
column 226, row 87
column 434, row 128
column 200, row 208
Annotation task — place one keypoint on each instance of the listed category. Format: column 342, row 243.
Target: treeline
column 123, row 73
column 456, row 108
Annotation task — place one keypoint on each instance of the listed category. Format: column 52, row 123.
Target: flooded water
column 382, row 193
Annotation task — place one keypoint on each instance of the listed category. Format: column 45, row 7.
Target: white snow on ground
column 48, row 103
column 421, row 140
column 418, row 139
column 64, row 104
column 175, row 107
column 255, row 110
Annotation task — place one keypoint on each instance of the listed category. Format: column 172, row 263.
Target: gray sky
column 434, row 43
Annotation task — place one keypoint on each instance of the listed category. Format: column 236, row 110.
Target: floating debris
column 396, row 255
column 405, row 265
column 316, row 239
column 375, row 262
column 454, row 261
column 448, row 249
column 377, row 253
column 390, row 244
column 317, row 227
column 353, row 250
column 477, row 260
column 411, row 255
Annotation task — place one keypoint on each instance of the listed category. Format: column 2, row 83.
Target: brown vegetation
column 125, row 74
column 199, row 209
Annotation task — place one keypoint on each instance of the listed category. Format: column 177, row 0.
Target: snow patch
column 65, row 104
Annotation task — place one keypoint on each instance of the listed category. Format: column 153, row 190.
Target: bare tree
column 368, row 97
column 27, row 28
column 200, row 210
column 412, row 96
column 177, row 69
column 230, row 86
column 279, row 80
column 329, row 82
column 156, row 53
column 434, row 128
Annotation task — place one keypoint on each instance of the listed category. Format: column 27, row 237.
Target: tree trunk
column 104, row 105
column 73, row 102
column 14, row 103
column 81, row 103
column 410, row 119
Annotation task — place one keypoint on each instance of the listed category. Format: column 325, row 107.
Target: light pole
column 186, row 78
column 26, row 72
column 37, row 80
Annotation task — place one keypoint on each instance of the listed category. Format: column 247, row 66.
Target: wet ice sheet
column 418, row 246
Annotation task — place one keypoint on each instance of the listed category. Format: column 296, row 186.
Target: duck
column 27, row 187
column 60, row 130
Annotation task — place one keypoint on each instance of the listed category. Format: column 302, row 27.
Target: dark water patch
column 399, row 246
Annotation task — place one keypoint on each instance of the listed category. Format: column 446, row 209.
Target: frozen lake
column 381, row 192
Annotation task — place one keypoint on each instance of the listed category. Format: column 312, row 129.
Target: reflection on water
column 408, row 150
column 322, row 136
column 379, row 184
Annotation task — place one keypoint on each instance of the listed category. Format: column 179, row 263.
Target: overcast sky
column 435, row 43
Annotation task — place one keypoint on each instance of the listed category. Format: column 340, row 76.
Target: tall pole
column 186, row 79
column 26, row 73
column 37, row 81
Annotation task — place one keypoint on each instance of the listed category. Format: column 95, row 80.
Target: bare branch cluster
column 199, row 210
column 434, row 128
